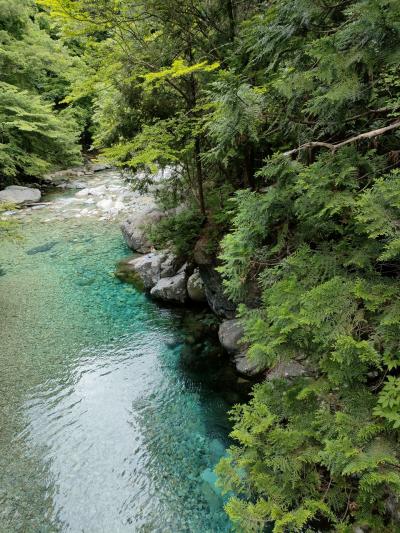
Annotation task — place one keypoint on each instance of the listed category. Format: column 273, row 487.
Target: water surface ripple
column 101, row 427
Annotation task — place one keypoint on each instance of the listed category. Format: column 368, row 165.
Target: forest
column 280, row 120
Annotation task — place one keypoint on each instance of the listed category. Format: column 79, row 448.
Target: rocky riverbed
column 101, row 195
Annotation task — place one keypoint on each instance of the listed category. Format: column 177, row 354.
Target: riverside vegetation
column 281, row 121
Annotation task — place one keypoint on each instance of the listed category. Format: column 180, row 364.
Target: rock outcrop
column 195, row 287
column 68, row 173
column 216, row 298
column 201, row 252
column 136, row 228
column 14, row 194
column 58, row 177
column 170, row 265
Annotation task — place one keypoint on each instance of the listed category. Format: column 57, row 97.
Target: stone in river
column 142, row 271
column 14, row 194
column 105, row 204
column 98, row 167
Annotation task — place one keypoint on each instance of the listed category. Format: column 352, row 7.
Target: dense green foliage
column 281, row 120
column 178, row 232
column 37, row 133
column 323, row 447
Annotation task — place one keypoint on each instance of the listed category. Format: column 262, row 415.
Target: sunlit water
column 103, row 428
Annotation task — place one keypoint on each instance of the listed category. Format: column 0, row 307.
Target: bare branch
column 335, row 146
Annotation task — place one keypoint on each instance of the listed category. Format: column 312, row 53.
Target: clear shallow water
column 103, row 428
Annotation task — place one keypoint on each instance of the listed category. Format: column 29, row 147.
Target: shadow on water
column 42, row 249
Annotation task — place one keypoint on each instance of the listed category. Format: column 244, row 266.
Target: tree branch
column 335, row 146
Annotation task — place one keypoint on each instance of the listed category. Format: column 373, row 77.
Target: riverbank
column 175, row 279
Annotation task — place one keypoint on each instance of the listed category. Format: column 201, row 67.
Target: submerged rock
column 171, row 289
column 195, row 287
column 14, row 194
column 42, row 249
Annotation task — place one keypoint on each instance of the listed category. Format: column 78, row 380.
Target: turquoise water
column 109, row 420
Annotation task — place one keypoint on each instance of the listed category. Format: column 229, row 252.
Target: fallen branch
column 335, row 146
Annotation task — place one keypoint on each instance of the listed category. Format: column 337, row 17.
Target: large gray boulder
column 135, row 229
column 171, row 289
column 195, row 287
column 146, row 270
column 230, row 334
column 14, row 194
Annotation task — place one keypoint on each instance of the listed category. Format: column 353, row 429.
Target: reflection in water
column 102, row 428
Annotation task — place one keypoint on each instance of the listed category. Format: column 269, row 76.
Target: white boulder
column 14, row 194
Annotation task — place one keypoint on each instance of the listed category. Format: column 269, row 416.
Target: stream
column 103, row 427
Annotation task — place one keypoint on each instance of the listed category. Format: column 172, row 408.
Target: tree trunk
column 248, row 172
column 197, row 143
column 199, row 175
column 231, row 18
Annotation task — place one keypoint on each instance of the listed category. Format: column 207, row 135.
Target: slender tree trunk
column 248, row 171
column 197, row 142
column 199, row 173
column 231, row 18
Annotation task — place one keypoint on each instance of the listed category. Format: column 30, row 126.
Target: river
column 104, row 425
